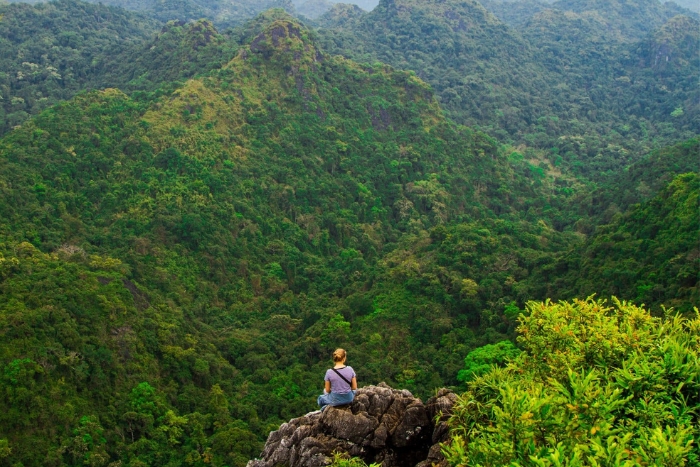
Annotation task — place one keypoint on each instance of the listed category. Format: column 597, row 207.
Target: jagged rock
column 382, row 425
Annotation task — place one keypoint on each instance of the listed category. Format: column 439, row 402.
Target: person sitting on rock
column 341, row 382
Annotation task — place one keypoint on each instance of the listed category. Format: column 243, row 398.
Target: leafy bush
column 343, row 460
column 596, row 385
column 481, row 360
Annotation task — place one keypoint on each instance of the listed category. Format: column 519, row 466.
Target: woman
column 341, row 382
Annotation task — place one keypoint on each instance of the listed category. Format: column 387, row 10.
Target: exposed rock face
column 382, row 425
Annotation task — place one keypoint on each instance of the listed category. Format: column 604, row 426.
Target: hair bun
column 339, row 355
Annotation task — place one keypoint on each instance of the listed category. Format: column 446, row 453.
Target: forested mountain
column 689, row 4
column 48, row 51
column 177, row 52
column 53, row 51
column 644, row 179
column 195, row 254
column 629, row 20
column 473, row 61
column 636, row 96
column 183, row 244
column 653, row 248
column 339, row 14
column 567, row 76
column 645, row 246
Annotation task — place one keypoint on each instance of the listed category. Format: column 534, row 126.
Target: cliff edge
column 383, row 425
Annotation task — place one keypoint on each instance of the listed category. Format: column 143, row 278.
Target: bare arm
column 328, row 387
column 353, row 386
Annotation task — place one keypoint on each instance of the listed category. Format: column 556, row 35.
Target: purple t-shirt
column 339, row 386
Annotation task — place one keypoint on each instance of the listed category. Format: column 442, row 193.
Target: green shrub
column 596, row 385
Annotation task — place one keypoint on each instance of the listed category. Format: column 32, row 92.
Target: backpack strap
column 342, row 377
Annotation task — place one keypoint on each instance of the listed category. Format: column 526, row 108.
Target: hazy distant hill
column 630, row 20
column 224, row 13
column 339, row 15
column 314, row 9
column 689, row 4
column 366, row 5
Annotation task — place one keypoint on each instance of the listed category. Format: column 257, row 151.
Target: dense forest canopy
column 592, row 102
column 48, row 51
column 588, row 72
column 193, row 218
column 95, row 47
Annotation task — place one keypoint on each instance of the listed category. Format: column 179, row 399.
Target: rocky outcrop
column 382, row 425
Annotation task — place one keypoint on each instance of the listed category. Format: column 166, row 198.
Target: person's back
column 340, row 382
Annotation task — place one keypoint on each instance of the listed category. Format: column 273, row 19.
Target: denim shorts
column 335, row 399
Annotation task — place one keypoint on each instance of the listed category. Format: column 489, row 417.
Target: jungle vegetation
column 595, row 384
column 593, row 84
column 193, row 223
column 48, row 51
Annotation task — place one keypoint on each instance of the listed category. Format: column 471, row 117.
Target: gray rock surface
column 383, row 425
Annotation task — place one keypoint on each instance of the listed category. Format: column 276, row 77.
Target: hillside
column 644, row 179
column 313, row 9
column 667, row 58
column 485, row 74
column 644, row 254
column 629, row 20
column 48, row 51
column 177, row 266
column 177, row 52
column 568, row 74
column 339, row 15
column 638, row 242
column 689, row 4
column 139, row 58
column 515, row 14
